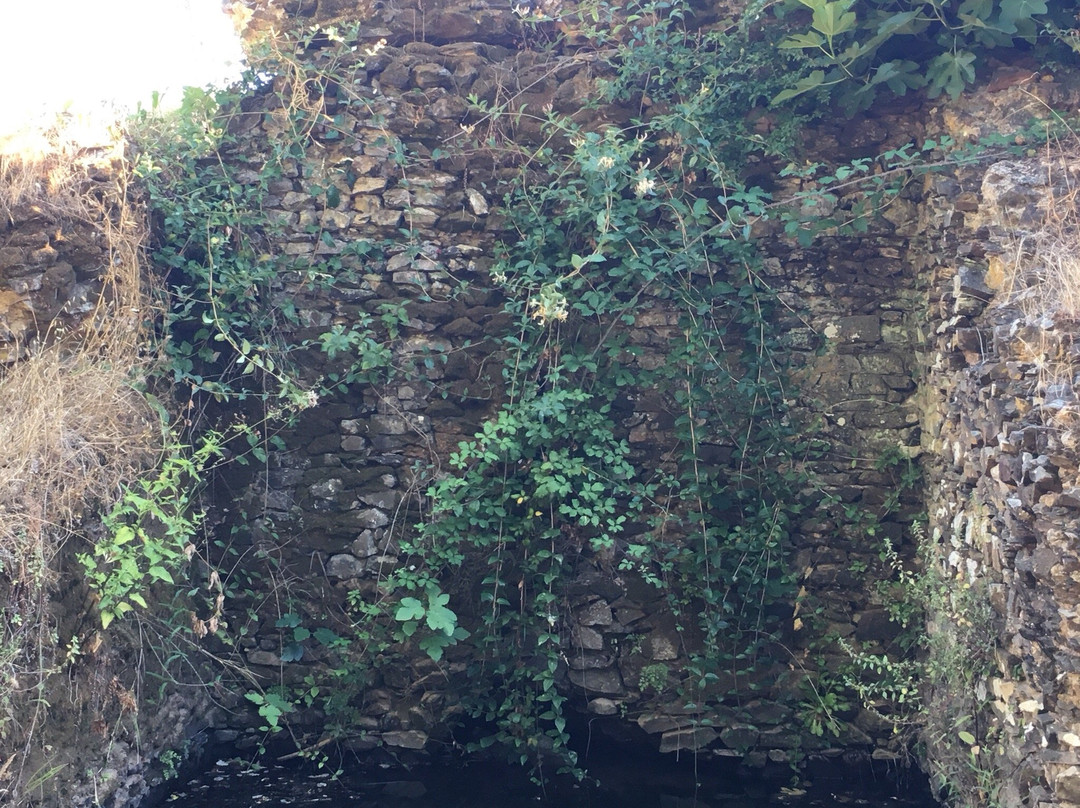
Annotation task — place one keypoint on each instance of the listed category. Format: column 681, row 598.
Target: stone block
column 861, row 328
column 344, row 565
column 661, row 646
column 372, row 518
column 602, row 706
column 597, row 613
column 368, row 185
column 691, row 740
column 607, row 682
column 405, row 739
column 740, row 737
column 586, row 638
column 653, row 723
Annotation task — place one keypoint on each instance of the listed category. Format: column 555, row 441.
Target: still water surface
column 632, row 785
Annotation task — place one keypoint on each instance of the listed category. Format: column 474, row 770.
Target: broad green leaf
column 409, row 609
column 288, row 620
column 977, row 9
column 326, row 637
column 293, row 652
column 1013, row 11
column 890, row 27
column 833, row 19
column 951, row 73
column 811, row 39
column 804, row 85
column 966, row 737
column 433, row 646
column 123, row 535
column 441, row 619
column 899, row 75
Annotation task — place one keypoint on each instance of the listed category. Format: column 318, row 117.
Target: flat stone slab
column 692, row 740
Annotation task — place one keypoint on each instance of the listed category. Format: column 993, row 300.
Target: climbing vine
column 629, row 263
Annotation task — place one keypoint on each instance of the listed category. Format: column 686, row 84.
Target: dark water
column 633, row 783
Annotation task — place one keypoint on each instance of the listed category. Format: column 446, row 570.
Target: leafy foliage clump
column 861, row 47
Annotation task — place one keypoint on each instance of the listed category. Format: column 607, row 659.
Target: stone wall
column 52, row 254
column 346, row 483
column 899, row 346
column 1000, row 450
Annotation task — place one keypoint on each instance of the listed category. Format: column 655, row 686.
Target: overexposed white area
column 86, row 56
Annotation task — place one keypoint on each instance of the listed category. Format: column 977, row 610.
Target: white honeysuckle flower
column 644, row 186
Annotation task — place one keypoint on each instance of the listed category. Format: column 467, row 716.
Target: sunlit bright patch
column 95, row 58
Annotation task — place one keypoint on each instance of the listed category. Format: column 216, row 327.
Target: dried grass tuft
column 1041, row 269
column 47, row 166
column 73, row 425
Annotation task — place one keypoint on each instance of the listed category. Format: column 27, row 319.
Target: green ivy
column 860, row 47
column 149, row 533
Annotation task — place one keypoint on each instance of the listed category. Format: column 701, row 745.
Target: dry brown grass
column 1044, row 280
column 73, row 426
column 47, row 166
column 1040, row 279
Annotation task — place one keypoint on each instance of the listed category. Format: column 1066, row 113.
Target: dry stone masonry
column 906, row 340
column 332, row 502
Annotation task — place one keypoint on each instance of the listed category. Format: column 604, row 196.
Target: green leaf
column 899, row 75
column 951, row 73
column 441, row 619
column 433, row 646
column 288, row 620
column 833, row 19
column 978, row 9
column 804, row 85
column 1013, row 11
column 966, row 737
column 811, row 39
column 123, row 535
column 409, row 609
column 326, row 637
column 293, row 652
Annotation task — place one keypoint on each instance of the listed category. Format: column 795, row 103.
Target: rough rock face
column 50, row 274
column 1001, row 441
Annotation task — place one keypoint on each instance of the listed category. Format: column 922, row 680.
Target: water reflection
column 230, row 784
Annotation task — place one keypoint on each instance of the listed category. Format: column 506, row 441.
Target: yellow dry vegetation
column 1039, row 275
column 74, row 425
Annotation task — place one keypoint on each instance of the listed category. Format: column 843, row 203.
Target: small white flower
column 605, row 163
column 645, row 185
